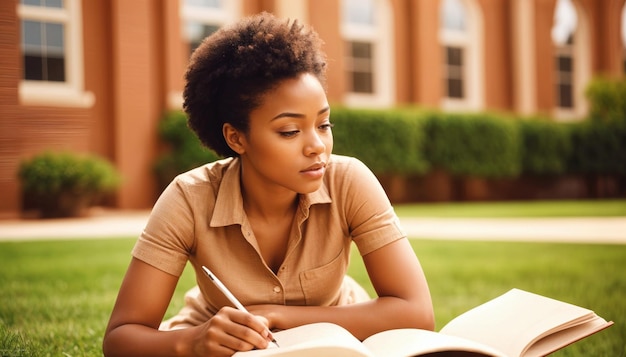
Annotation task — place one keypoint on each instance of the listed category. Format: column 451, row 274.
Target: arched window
column 460, row 35
column 52, row 53
column 565, row 21
column 368, row 35
column 572, row 63
column 201, row 18
column 454, row 23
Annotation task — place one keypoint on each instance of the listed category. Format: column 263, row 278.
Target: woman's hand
column 139, row 309
column 269, row 313
column 230, row 331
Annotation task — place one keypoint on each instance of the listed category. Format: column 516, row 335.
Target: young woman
column 274, row 220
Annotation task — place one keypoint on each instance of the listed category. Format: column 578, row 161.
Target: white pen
column 233, row 300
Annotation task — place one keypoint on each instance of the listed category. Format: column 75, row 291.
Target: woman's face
column 289, row 140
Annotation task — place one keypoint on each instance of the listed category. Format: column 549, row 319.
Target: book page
column 566, row 337
column 414, row 342
column 512, row 321
column 319, row 339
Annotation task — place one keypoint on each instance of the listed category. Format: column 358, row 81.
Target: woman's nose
column 315, row 144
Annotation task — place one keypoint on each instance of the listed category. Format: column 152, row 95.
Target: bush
column 607, row 99
column 387, row 141
column 473, row 145
column 185, row 151
column 599, row 147
column 546, row 147
column 63, row 184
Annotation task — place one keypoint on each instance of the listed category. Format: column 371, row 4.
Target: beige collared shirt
column 200, row 218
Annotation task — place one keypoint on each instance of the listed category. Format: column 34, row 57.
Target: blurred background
column 469, row 99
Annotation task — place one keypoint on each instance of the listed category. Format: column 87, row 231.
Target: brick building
column 96, row 75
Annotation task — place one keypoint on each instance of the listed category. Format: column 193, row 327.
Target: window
column 43, row 51
column 52, row 58
column 563, row 31
column 360, row 67
column 359, row 15
column 460, row 36
column 454, row 72
column 571, row 37
column 565, row 74
column 453, row 18
column 368, row 35
column 200, row 18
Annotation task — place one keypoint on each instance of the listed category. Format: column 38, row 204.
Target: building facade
column 96, row 75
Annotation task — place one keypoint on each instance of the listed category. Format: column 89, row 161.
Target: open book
column 517, row 323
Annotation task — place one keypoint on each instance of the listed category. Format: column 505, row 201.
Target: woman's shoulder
column 343, row 161
column 345, row 164
column 205, row 180
column 211, row 172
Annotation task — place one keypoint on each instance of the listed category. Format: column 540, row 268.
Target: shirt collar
column 229, row 210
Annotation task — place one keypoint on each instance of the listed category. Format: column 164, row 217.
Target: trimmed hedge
column 607, row 99
column 599, row 147
column 411, row 142
column 387, row 141
column 473, row 145
column 546, row 147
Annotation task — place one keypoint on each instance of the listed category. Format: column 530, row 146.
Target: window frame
column 379, row 35
column 71, row 91
column 470, row 41
column 227, row 13
column 230, row 12
column 579, row 51
column 565, row 77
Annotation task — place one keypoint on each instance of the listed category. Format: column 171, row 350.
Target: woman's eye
column 288, row 134
column 327, row 126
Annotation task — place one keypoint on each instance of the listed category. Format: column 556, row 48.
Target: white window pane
column 54, row 3
column 196, row 32
column 204, row 3
column 31, row 33
column 54, row 35
column 453, row 15
column 565, row 22
column 45, row 3
column 360, row 12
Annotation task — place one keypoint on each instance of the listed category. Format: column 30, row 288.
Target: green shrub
column 185, row 151
column 607, row 99
column 473, row 145
column 63, row 184
column 546, row 146
column 387, row 141
column 598, row 147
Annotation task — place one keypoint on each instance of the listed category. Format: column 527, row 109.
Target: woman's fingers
column 238, row 330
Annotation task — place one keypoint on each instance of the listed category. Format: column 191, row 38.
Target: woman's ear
column 234, row 138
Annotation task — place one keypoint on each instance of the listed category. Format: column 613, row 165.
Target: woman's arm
column 403, row 298
column 142, row 301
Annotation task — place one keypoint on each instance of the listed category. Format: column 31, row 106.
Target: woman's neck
column 267, row 204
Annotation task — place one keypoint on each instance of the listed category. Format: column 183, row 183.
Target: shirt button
column 277, row 289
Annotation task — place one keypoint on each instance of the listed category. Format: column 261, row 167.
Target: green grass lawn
column 464, row 274
column 573, row 208
column 56, row 296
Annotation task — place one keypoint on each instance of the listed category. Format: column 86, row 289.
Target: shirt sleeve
column 371, row 219
column 167, row 239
